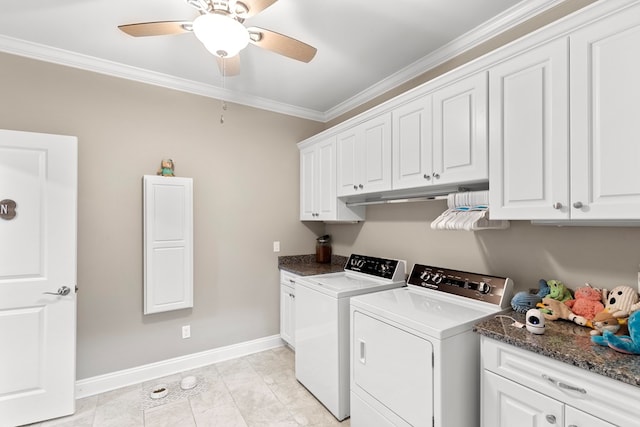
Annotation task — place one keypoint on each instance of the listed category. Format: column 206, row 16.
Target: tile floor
column 257, row 390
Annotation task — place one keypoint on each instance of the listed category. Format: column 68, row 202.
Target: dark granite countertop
column 306, row 265
column 566, row 342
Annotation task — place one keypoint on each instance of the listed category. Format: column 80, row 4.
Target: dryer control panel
column 481, row 287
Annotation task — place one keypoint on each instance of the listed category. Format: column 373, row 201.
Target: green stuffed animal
column 558, row 291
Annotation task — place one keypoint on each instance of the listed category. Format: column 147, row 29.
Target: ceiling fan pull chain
column 224, row 104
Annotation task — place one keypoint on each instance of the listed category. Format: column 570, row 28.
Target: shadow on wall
column 603, row 256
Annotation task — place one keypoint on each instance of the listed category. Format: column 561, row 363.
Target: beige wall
column 603, row 256
column 245, row 196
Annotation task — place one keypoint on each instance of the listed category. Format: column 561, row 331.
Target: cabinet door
column 528, row 135
column 287, row 314
column 375, row 156
column 576, row 418
column 508, row 404
column 605, row 112
column 412, row 144
column 326, row 180
column 364, row 157
column 347, row 167
column 460, row 150
column 308, row 183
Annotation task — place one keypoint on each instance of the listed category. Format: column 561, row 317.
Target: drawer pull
column 564, row 386
column 293, row 282
column 363, row 354
column 572, row 388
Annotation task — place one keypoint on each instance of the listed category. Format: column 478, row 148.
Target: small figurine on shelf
column 166, row 167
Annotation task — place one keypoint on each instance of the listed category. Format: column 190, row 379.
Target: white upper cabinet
column 605, row 118
column 556, row 156
column 460, row 146
column 441, row 138
column 528, row 133
column 364, row 157
column 413, row 144
column 318, row 201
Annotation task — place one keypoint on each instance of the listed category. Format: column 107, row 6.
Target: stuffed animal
column 622, row 301
column 553, row 309
column 525, row 300
column 166, row 167
column 587, row 302
column 558, row 291
column 604, row 321
column 629, row 344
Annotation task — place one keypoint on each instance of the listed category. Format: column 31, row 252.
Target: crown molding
column 510, row 18
column 110, row 68
column 517, row 14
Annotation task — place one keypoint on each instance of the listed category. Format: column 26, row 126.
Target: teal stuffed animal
column 629, row 344
column 525, row 300
column 558, row 291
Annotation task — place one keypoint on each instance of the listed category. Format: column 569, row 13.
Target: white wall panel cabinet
column 441, row 138
column 318, row 201
column 364, row 157
column 168, row 243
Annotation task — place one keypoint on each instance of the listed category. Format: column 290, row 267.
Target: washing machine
column 322, row 324
column 415, row 360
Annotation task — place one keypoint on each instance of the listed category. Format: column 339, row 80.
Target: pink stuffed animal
column 587, row 302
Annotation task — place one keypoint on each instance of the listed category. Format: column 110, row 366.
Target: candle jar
column 323, row 249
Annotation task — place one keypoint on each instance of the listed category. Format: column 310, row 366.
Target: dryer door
column 395, row 367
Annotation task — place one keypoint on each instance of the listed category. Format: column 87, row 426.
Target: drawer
column 602, row 397
column 287, row 278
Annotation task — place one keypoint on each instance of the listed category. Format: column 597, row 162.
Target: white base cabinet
column 288, row 307
column 522, row 388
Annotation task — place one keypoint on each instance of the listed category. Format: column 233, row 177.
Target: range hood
column 412, row 195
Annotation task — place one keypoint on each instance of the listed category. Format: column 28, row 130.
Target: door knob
column 62, row 291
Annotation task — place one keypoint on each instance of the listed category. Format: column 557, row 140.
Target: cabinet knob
column 355, row 187
column 427, row 177
column 551, row 419
column 436, row 175
column 557, row 205
column 577, row 205
column 361, row 186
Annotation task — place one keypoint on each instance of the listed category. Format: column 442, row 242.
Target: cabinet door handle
column 436, row 175
column 427, row 177
column 361, row 186
column 577, row 205
column 355, row 187
column 572, row 425
column 363, row 354
column 551, row 419
column 557, row 205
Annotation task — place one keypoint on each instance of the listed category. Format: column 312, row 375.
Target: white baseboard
column 102, row 383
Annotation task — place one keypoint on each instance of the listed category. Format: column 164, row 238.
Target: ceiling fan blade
column 160, row 28
column 229, row 66
column 279, row 43
column 256, row 6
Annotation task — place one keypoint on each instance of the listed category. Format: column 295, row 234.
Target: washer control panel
column 482, row 287
column 390, row 269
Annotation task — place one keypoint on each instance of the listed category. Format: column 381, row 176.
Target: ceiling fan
column 220, row 28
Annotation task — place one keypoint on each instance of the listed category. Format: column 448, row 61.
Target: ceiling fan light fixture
column 221, row 35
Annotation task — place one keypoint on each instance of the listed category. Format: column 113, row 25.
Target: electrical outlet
column 276, row 246
column 186, row 331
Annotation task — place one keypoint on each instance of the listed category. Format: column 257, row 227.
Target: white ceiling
column 365, row 47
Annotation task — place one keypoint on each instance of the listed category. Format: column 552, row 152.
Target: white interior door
column 38, row 193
